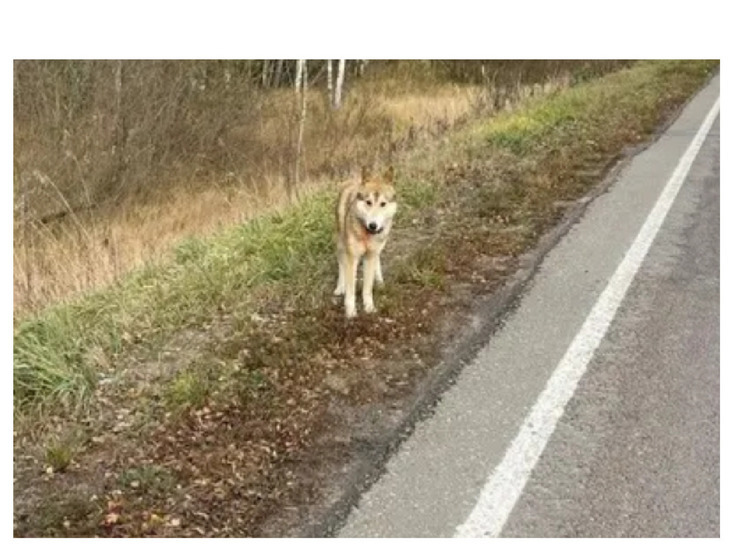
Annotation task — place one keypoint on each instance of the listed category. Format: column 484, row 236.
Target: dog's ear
column 364, row 174
column 388, row 176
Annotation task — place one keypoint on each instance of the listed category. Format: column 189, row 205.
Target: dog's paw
column 369, row 308
column 339, row 291
column 351, row 313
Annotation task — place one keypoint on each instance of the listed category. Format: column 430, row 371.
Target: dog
column 365, row 213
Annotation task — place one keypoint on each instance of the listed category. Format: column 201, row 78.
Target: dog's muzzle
column 373, row 228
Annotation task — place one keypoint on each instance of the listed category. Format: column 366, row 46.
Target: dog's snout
column 373, row 227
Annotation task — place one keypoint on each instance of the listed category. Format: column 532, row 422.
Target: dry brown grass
column 444, row 106
column 55, row 260
column 127, row 173
column 52, row 262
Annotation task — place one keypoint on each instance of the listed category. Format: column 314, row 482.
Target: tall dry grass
column 116, row 161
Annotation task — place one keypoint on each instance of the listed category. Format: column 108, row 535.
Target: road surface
column 594, row 410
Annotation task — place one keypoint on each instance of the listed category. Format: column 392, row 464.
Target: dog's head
column 375, row 202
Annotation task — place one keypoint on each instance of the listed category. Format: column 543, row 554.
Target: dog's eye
column 383, row 203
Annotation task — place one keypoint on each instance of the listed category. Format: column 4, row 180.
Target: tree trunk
column 330, row 81
column 265, row 73
column 118, row 105
column 301, row 81
column 298, row 74
column 340, row 81
column 278, row 73
column 120, row 130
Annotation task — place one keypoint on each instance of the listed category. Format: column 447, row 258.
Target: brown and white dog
column 365, row 211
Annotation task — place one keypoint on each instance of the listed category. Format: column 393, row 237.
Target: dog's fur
column 365, row 212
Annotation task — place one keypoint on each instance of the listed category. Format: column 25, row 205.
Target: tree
column 278, row 73
column 300, row 63
column 340, row 80
column 335, row 92
column 301, row 89
column 265, row 73
column 330, row 81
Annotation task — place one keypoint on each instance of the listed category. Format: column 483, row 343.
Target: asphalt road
column 635, row 451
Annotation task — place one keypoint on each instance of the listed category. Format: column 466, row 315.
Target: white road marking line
column 506, row 483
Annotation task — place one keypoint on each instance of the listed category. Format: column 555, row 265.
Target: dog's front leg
column 370, row 269
column 350, row 270
column 341, row 258
column 379, row 273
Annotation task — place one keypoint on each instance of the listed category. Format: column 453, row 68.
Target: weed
column 149, row 478
column 188, row 390
column 58, row 455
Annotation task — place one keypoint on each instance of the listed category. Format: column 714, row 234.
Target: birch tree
column 265, row 73
column 300, row 63
column 278, row 73
column 335, row 91
column 340, row 80
column 330, row 81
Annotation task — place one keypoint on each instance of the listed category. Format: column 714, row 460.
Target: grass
column 60, row 448
column 58, row 514
column 424, row 268
column 148, row 477
column 61, row 353
column 54, row 352
column 189, row 390
column 58, row 456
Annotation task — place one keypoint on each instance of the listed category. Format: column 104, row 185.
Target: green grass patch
column 612, row 100
column 149, row 478
column 414, row 195
column 189, row 389
column 57, row 354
